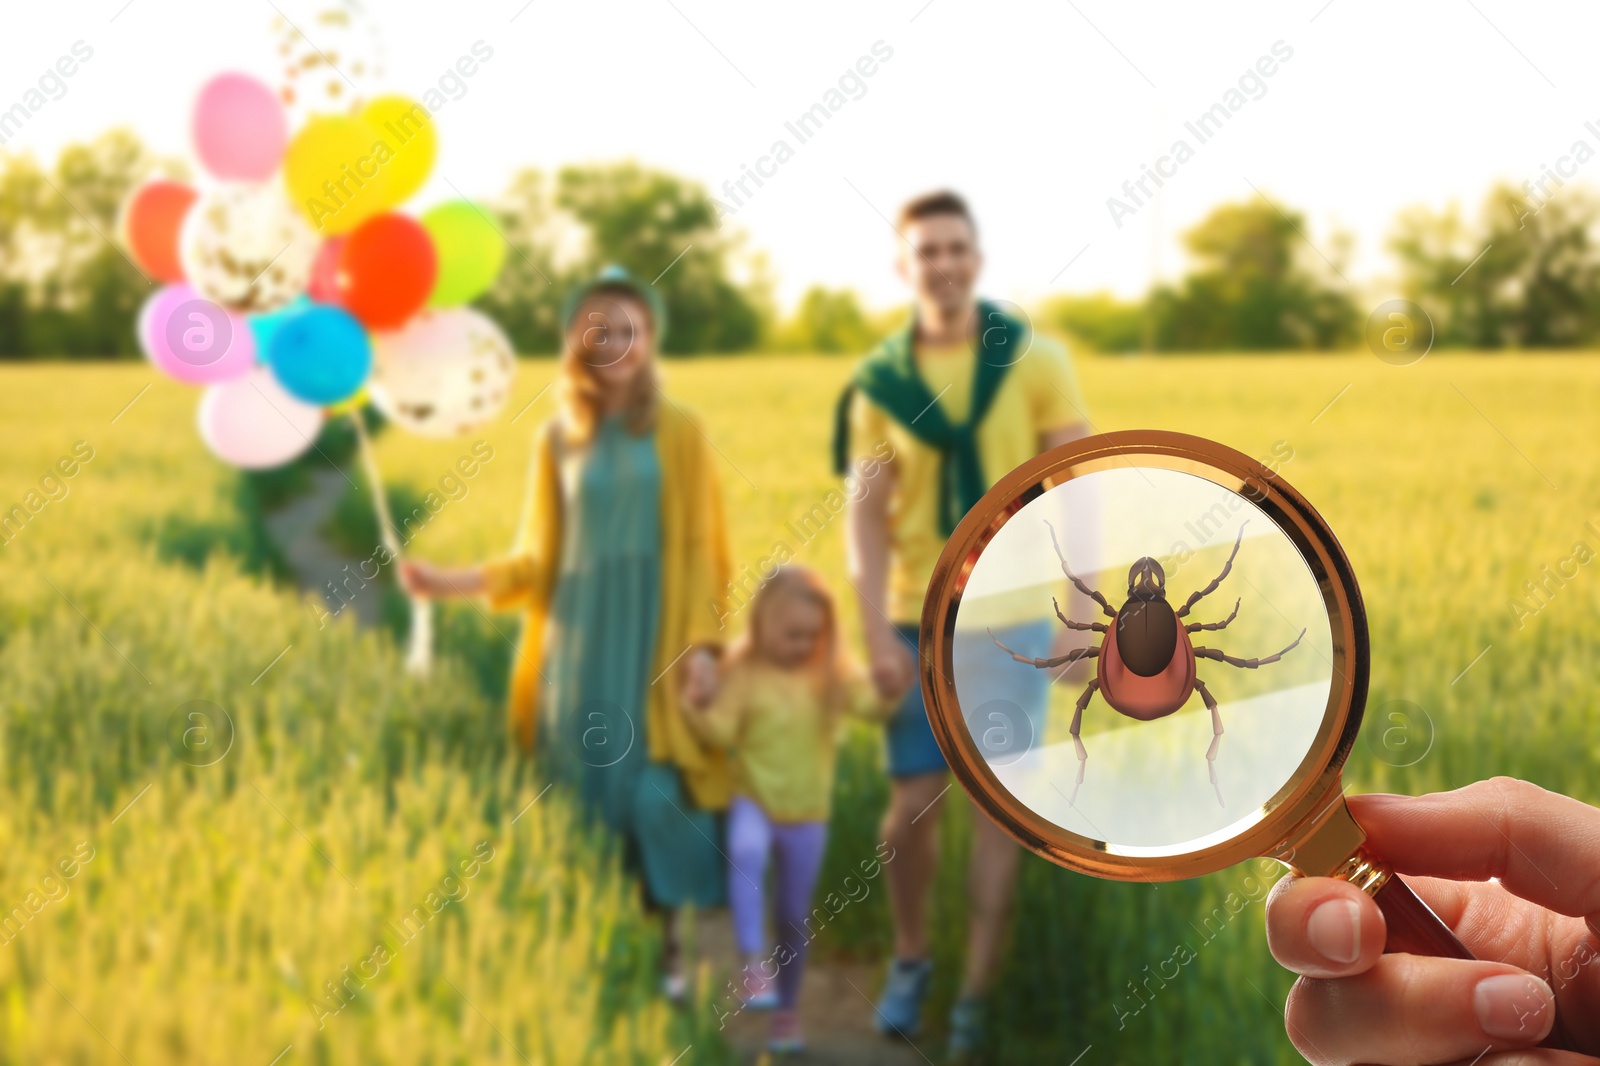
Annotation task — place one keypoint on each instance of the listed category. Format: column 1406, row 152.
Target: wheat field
column 241, row 880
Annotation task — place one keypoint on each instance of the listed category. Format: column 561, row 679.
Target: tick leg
column 1095, row 627
column 1216, row 736
column 1194, row 627
column 1248, row 664
column 1196, row 597
column 1046, row 664
column 1077, row 723
column 1075, row 579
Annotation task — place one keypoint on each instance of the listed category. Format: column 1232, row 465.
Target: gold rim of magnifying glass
column 1303, row 804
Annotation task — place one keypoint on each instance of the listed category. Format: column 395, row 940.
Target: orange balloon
column 386, row 270
column 154, row 216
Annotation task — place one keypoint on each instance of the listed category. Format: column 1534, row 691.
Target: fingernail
column 1384, row 799
column 1514, row 1006
column 1334, row 930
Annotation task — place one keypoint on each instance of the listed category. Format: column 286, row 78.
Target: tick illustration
column 1146, row 665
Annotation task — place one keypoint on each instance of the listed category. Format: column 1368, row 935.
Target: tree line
column 68, row 290
column 1520, row 273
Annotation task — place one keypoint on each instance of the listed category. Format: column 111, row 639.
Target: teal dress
column 599, row 655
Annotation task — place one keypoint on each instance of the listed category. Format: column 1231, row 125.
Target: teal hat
column 617, row 278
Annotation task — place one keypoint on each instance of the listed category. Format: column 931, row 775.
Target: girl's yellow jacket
column 695, row 575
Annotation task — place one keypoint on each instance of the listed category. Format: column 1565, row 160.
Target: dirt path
column 835, row 1010
column 296, row 529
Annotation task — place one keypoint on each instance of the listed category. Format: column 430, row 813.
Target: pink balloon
column 239, row 128
column 194, row 340
column 324, row 284
column 251, row 422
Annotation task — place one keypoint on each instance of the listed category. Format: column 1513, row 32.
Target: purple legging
column 752, row 836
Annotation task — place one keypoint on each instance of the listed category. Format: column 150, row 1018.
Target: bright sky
column 1036, row 111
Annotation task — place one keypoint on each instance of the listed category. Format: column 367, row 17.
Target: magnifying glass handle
column 1413, row 927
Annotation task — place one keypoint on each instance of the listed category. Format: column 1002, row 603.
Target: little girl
column 785, row 689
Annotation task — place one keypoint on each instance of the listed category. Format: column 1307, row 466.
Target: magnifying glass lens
column 1143, row 658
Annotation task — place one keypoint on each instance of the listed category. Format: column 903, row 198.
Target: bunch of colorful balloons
column 294, row 289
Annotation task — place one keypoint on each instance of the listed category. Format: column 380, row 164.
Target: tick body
column 1146, row 664
column 1134, row 643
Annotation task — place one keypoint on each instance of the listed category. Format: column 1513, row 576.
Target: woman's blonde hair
column 578, row 389
column 829, row 665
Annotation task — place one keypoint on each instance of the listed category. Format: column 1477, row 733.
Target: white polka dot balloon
column 244, row 246
column 330, row 55
column 443, row 374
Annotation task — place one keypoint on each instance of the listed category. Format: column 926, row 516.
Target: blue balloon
column 265, row 326
column 320, row 354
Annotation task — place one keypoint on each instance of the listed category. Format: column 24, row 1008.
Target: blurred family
column 709, row 765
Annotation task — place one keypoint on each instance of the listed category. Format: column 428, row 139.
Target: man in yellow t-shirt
column 963, row 396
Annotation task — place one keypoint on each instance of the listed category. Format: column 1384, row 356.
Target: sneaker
column 967, row 1020
column 784, row 1037
column 899, row 1009
column 759, row 992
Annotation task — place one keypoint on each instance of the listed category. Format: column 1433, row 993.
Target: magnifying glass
column 1146, row 658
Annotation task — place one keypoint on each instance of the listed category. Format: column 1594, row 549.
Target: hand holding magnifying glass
column 1355, row 1004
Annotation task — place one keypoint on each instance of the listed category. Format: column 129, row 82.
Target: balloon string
column 419, row 653
column 380, row 498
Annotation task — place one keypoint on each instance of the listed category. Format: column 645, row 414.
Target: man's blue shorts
column 984, row 674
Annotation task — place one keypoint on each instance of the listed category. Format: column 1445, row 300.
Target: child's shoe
column 759, row 992
column 784, row 1037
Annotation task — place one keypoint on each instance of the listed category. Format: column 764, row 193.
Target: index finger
column 1540, row 845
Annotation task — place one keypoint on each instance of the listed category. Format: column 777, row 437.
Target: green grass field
column 220, row 899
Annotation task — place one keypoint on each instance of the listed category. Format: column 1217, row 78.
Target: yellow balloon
column 336, row 172
column 407, row 128
column 350, row 403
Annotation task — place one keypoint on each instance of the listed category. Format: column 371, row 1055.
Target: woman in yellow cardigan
column 620, row 571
